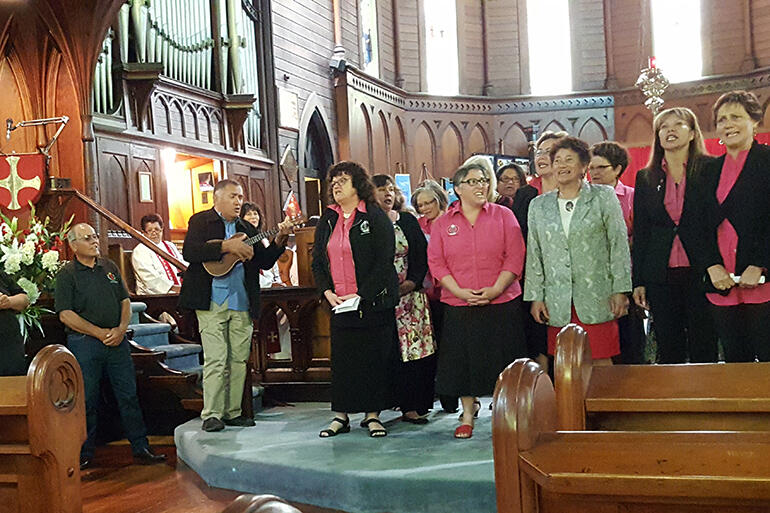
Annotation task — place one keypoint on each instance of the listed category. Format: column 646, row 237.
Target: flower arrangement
column 31, row 256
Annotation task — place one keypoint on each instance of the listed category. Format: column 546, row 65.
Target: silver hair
column 435, row 190
column 480, row 163
column 72, row 236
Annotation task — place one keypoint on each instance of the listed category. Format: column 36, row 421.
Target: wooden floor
column 115, row 484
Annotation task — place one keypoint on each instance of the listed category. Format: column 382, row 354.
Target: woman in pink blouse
column 665, row 280
column 608, row 162
column 476, row 252
column 732, row 242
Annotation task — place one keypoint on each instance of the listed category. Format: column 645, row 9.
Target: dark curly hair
column 747, row 100
column 579, row 146
column 615, row 154
column 150, row 218
column 362, row 183
column 248, row 207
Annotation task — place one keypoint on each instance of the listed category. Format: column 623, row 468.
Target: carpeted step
column 181, row 357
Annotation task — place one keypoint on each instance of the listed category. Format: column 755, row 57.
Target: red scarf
column 170, row 273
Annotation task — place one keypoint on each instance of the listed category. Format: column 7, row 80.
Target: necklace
column 347, row 215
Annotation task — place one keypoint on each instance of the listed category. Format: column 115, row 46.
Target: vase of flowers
column 32, row 257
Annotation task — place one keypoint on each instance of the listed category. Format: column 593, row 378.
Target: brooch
column 452, row 229
column 364, row 227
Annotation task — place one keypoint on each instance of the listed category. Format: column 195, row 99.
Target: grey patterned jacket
column 587, row 267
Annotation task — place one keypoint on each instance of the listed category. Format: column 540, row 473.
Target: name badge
column 365, row 228
column 453, row 229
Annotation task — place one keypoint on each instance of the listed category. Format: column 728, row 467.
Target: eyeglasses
column 541, row 152
column 508, row 179
column 594, row 168
column 154, row 230
column 473, row 182
column 420, row 206
column 340, row 181
column 89, row 237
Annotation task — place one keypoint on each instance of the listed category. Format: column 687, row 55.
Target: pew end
column 572, row 374
column 524, row 407
column 44, row 426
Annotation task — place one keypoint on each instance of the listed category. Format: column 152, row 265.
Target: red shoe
column 464, row 431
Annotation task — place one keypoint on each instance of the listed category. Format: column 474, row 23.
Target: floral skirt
column 415, row 331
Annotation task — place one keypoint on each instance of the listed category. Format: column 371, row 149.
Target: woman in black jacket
column 416, row 374
column 665, row 281
column 732, row 242
column 353, row 258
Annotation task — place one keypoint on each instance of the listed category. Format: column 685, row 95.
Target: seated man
column 93, row 304
column 154, row 275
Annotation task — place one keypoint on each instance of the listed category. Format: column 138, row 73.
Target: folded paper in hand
column 737, row 279
column 349, row 305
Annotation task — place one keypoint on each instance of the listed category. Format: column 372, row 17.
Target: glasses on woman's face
column 421, row 206
column 473, row 182
column 341, row 180
column 508, row 179
column 593, row 169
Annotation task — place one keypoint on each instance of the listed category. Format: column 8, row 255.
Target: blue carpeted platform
column 413, row 469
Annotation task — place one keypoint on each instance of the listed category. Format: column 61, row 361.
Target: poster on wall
column 404, row 183
column 446, row 183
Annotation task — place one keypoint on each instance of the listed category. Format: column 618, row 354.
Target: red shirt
column 341, row 263
column 727, row 238
column 476, row 255
column 537, row 183
column 430, row 285
column 625, row 196
column 673, row 200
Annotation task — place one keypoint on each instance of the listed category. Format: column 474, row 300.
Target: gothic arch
column 515, row 141
column 424, row 150
column 638, row 131
column 451, row 151
column 592, row 131
column 313, row 105
column 478, row 141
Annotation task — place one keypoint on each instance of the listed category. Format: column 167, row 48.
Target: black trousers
column 743, row 331
column 632, row 336
column 682, row 320
column 415, row 383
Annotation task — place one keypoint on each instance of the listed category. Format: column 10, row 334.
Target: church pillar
column 611, row 81
column 486, row 88
column 749, row 59
column 399, row 81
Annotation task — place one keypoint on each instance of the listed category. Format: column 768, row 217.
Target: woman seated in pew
column 353, row 256
column 154, row 275
column 665, row 282
column 416, row 372
column 12, row 301
column 608, row 161
column 731, row 239
column 476, row 251
column 578, row 261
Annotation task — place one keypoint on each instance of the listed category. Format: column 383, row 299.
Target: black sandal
column 329, row 432
column 376, row 432
column 476, row 410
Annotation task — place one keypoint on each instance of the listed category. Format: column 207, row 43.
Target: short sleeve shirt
column 94, row 293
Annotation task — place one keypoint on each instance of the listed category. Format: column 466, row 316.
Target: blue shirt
column 232, row 286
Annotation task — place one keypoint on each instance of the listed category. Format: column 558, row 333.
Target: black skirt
column 415, row 384
column 477, row 343
column 364, row 353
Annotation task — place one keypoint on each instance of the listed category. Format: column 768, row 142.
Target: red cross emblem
column 21, row 179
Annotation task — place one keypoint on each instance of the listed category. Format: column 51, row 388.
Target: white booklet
column 349, row 305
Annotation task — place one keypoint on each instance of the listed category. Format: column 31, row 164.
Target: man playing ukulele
column 226, row 305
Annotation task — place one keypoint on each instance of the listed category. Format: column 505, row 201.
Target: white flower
column 50, row 261
column 30, row 289
column 13, row 263
column 37, row 228
column 28, row 252
column 31, row 237
column 5, row 231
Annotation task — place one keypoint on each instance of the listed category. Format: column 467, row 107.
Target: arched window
column 550, row 51
column 442, row 71
column 370, row 58
column 676, row 37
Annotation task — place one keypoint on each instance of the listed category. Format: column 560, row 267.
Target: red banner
column 21, row 179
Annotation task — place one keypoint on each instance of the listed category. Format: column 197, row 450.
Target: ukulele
column 226, row 263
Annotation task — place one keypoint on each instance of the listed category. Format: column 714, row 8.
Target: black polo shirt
column 94, row 293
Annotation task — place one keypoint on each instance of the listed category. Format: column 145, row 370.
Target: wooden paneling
column 408, row 18
column 627, row 26
column 451, row 151
column 589, row 67
column 469, row 39
column 380, row 145
column 423, row 150
column 385, row 39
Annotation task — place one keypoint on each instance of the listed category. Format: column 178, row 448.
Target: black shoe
column 240, row 421
column 212, row 424
column 448, row 403
column 85, row 462
column 147, row 457
column 414, row 420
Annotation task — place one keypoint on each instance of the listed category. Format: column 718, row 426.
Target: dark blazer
column 373, row 244
column 521, row 201
column 654, row 230
column 196, row 286
column 747, row 207
column 417, row 258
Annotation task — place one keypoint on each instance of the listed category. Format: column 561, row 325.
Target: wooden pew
column 540, row 469
column 732, row 396
column 42, row 426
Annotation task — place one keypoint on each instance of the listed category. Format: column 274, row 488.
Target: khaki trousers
column 226, row 340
